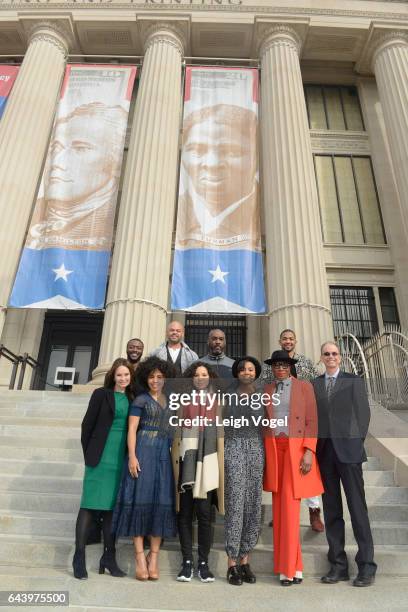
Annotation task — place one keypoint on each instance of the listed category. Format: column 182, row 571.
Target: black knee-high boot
column 108, row 559
column 83, row 525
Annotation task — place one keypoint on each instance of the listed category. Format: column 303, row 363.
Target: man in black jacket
column 344, row 416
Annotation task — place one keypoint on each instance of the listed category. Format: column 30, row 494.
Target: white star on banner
column 61, row 272
column 218, row 274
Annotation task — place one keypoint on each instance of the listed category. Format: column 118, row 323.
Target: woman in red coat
column 291, row 470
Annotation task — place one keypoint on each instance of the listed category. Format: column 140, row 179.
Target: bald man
column 216, row 356
column 174, row 350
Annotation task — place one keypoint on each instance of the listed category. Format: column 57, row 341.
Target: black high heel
column 79, row 566
column 108, row 561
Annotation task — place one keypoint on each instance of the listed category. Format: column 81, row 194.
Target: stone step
column 28, row 441
column 40, row 421
column 45, row 484
column 8, row 454
column 21, row 467
column 41, row 454
column 57, row 553
column 28, row 395
column 103, row 593
column 28, row 502
column 75, row 469
column 63, row 525
column 41, row 411
column 42, row 432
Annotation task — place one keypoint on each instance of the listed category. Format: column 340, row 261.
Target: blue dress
column 146, row 505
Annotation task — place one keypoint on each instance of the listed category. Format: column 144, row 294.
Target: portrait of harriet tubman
column 219, row 204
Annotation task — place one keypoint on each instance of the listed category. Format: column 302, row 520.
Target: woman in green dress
column 103, row 439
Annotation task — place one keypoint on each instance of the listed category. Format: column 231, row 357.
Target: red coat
column 302, row 435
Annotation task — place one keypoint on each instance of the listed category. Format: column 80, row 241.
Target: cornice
column 114, row 5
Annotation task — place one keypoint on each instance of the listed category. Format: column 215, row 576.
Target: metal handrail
column 16, row 360
column 362, row 356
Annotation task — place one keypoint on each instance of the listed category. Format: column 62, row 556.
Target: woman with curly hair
column 103, row 439
column 145, row 504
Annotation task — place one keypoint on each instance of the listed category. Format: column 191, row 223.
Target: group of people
column 305, row 438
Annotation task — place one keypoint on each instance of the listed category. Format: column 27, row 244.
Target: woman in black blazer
column 103, row 439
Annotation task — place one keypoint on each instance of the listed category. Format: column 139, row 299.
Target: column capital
column 381, row 36
column 174, row 33
column 58, row 32
column 270, row 33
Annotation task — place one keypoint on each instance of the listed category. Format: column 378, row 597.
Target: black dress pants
column 351, row 477
column 202, row 508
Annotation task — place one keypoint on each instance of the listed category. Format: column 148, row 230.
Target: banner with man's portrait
column 8, row 75
column 64, row 264
column 218, row 259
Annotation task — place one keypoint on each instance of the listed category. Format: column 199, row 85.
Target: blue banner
column 218, row 258
column 59, row 278
column 218, row 280
column 65, row 261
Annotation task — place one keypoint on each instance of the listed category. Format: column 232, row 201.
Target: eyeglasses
column 281, row 366
column 327, row 354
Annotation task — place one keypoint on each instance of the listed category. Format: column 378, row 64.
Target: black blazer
column 344, row 419
column 96, row 425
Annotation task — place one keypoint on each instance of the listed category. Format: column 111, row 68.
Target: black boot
column 78, row 565
column 108, row 561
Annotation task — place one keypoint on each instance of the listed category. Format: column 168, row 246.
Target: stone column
column 390, row 65
column 298, row 294
column 139, row 282
column 24, row 134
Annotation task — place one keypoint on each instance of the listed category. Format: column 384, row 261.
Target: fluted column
column 139, row 283
column 390, row 64
column 296, row 277
column 24, row 133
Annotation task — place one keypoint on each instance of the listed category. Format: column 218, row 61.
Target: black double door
column 68, row 340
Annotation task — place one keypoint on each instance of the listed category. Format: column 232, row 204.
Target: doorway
column 68, row 340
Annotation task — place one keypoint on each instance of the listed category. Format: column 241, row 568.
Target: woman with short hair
column 244, row 464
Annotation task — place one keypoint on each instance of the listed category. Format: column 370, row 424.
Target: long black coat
column 96, row 425
column 344, row 418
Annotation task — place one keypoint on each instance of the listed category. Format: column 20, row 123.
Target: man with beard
column 134, row 353
column 216, row 356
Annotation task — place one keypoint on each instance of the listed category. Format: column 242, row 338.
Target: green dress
column 101, row 483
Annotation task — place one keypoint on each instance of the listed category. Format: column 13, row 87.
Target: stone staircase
column 41, row 470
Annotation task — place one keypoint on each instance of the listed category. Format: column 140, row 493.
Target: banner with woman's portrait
column 66, row 256
column 218, row 259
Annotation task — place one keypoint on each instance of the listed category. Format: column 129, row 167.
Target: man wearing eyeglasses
column 344, row 416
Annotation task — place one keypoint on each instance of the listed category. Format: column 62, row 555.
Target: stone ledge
column 388, row 440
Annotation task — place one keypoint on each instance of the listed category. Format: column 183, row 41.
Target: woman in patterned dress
column 145, row 503
column 244, row 464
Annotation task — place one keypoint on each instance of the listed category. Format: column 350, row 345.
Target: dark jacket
column 344, row 418
column 96, row 425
